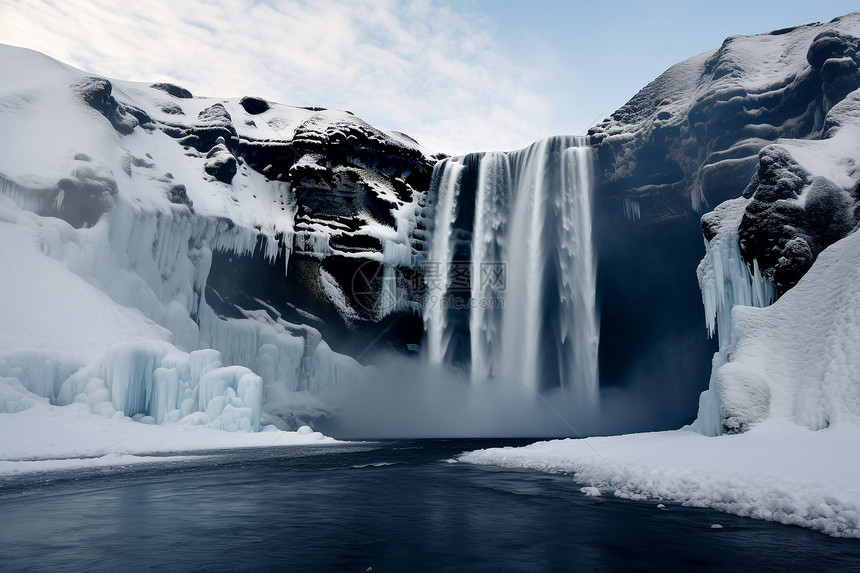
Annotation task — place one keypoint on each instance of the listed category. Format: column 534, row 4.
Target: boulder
column 220, row 163
column 173, row 90
column 254, row 105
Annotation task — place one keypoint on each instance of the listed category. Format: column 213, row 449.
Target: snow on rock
column 802, row 199
column 108, row 236
column 220, row 163
column 690, row 139
column 801, row 352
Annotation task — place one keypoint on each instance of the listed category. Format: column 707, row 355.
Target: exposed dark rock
column 190, row 141
column 212, row 123
column 96, row 92
column 220, row 163
column 171, row 108
column 173, row 90
column 176, row 193
column 783, row 233
column 217, row 114
column 254, row 105
column 87, row 194
column 835, row 57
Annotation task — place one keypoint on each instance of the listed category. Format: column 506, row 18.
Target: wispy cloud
column 423, row 67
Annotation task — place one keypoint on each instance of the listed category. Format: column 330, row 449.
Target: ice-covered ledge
column 40, row 437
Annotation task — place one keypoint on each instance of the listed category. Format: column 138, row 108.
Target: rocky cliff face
column 750, row 119
column 279, row 238
column 351, row 190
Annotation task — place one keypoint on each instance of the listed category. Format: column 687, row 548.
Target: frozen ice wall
column 726, row 281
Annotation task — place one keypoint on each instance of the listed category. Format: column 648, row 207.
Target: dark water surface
column 389, row 506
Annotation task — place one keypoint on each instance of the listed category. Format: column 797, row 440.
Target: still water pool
column 382, row 506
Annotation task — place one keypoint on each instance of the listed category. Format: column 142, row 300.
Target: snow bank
column 780, row 472
column 801, row 353
column 37, row 436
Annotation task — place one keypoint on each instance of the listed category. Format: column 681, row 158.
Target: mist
column 406, row 397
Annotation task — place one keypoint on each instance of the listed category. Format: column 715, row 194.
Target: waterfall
column 516, row 229
column 446, row 187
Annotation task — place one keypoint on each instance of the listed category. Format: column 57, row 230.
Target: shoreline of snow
column 17, row 468
column 48, row 438
column 776, row 472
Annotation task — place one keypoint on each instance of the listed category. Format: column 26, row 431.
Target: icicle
column 726, row 281
column 724, row 277
column 631, row 209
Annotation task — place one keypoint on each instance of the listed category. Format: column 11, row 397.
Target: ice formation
column 120, row 223
column 531, row 295
column 738, row 398
column 726, row 281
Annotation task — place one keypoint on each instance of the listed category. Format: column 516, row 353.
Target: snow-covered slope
column 117, row 202
column 798, row 360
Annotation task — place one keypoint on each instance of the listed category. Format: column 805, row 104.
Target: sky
column 458, row 76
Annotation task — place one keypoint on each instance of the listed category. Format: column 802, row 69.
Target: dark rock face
column 793, row 215
column 213, row 123
column 783, row 233
column 96, row 92
column 173, row 90
column 835, row 57
column 691, row 138
column 254, row 105
column 220, row 163
column 331, row 169
column 351, row 190
column 239, row 283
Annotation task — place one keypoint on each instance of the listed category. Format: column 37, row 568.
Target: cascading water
column 530, row 300
column 446, row 186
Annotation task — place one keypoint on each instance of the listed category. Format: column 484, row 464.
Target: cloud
column 426, row 68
